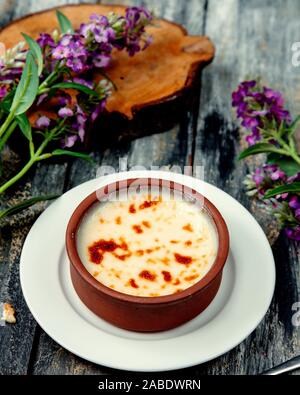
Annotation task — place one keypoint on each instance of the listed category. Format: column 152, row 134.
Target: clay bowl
column 145, row 314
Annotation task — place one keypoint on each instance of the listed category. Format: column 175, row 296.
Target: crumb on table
column 8, row 313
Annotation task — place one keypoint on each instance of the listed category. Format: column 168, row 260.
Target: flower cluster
column 276, row 183
column 260, row 108
column 72, row 57
column 74, row 111
column 285, row 206
column 91, row 45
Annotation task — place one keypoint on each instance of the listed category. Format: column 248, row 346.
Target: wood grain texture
column 252, row 37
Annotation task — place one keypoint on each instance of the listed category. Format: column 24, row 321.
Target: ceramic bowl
column 145, row 314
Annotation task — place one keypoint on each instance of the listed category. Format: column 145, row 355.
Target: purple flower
column 82, row 81
column 65, row 112
column 278, row 175
column 69, row 141
column 99, row 108
column 76, row 64
column 42, row 122
column 293, row 178
column 273, row 97
column 258, row 177
column 41, row 98
column 254, row 137
column 294, row 202
column 297, row 213
column 293, row 233
column 45, row 40
column 257, row 107
column 61, row 52
column 101, row 60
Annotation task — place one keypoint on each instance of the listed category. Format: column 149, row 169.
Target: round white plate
column 241, row 303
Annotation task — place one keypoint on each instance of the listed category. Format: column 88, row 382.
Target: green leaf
column 72, row 153
column 24, row 125
column 25, row 204
column 258, row 148
column 288, row 165
column 64, row 23
column 36, row 52
column 294, row 187
column 28, row 86
column 74, row 85
column 293, row 125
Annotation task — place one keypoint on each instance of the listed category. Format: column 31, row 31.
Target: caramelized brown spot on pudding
column 118, row 220
column 132, row 209
column 132, row 283
column 174, row 241
column 106, row 245
column 148, row 203
column 165, row 260
column 137, row 228
column 177, row 291
column 145, row 274
column 176, row 282
column 185, row 260
column 122, row 257
column 167, row 276
column 188, row 227
column 139, row 252
column 95, row 274
column 191, row 278
column 153, row 294
column 101, row 220
column 123, row 245
column 146, row 224
column 188, row 243
column 149, row 250
column 95, row 255
column 97, row 249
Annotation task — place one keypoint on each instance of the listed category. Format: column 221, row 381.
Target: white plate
column 241, row 303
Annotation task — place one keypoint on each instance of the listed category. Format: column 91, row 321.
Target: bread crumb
column 8, row 313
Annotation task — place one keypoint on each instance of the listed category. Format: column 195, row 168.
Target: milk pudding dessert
column 147, row 245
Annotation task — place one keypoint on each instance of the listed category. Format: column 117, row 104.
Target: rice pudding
column 147, row 245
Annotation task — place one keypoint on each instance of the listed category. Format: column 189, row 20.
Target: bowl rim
column 94, row 197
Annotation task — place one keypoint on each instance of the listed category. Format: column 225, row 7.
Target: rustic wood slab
column 252, row 37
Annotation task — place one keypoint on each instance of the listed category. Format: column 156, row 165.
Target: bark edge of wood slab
column 154, row 88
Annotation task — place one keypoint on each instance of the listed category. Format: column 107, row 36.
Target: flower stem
column 7, row 134
column 35, row 157
column 6, row 123
column 21, row 173
column 44, row 84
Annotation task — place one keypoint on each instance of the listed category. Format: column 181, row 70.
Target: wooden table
column 252, row 38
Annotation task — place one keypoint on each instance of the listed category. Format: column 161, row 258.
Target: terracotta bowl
column 145, row 314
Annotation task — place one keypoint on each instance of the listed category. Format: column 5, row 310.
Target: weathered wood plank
column 252, row 38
